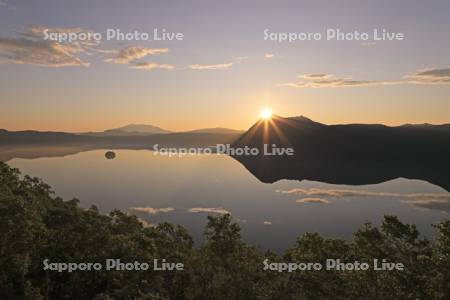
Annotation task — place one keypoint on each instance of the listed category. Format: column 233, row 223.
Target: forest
column 36, row 225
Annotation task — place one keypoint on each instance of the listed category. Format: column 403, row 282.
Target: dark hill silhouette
column 31, row 137
column 348, row 154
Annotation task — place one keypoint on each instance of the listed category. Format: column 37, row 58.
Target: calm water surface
column 188, row 188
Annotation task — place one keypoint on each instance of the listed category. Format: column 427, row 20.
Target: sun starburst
column 266, row 113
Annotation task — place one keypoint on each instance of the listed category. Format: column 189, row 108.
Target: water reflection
column 184, row 190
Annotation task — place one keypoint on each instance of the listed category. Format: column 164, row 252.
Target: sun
column 266, row 113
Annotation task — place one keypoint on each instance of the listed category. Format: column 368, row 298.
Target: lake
column 184, row 190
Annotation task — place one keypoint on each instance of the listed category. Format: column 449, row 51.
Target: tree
column 35, row 225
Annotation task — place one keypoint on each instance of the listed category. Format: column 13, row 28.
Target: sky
column 224, row 70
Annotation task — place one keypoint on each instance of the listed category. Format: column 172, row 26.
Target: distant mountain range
column 144, row 129
column 131, row 129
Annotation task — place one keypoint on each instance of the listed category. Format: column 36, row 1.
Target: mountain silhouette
column 143, row 129
column 130, row 130
column 215, row 130
column 348, row 154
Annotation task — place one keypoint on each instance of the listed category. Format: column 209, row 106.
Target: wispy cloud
column 129, row 54
column 431, row 76
column 428, row 76
column 329, row 81
column 39, row 53
column 215, row 210
column 31, row 48
column 221, row 66
column 151, row 210
column 151, row 66
column 38, row 32
column 211, row 67
column 315, row 76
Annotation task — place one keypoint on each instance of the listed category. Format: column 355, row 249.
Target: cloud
column 39, row 53
column 431, row 76
column 270, row 55
column 313, row 200
column 211, row 67
column 328, row 81
column 151, row 210
column 427, row 76
column 423, row 200
column 218, row 210
column 315, row 76
column 222, row 66
column 129, row 54
column 31, row 48
column 151, row 66
column 39, row 32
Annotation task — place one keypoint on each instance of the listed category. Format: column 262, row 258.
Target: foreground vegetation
column 35, row 225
